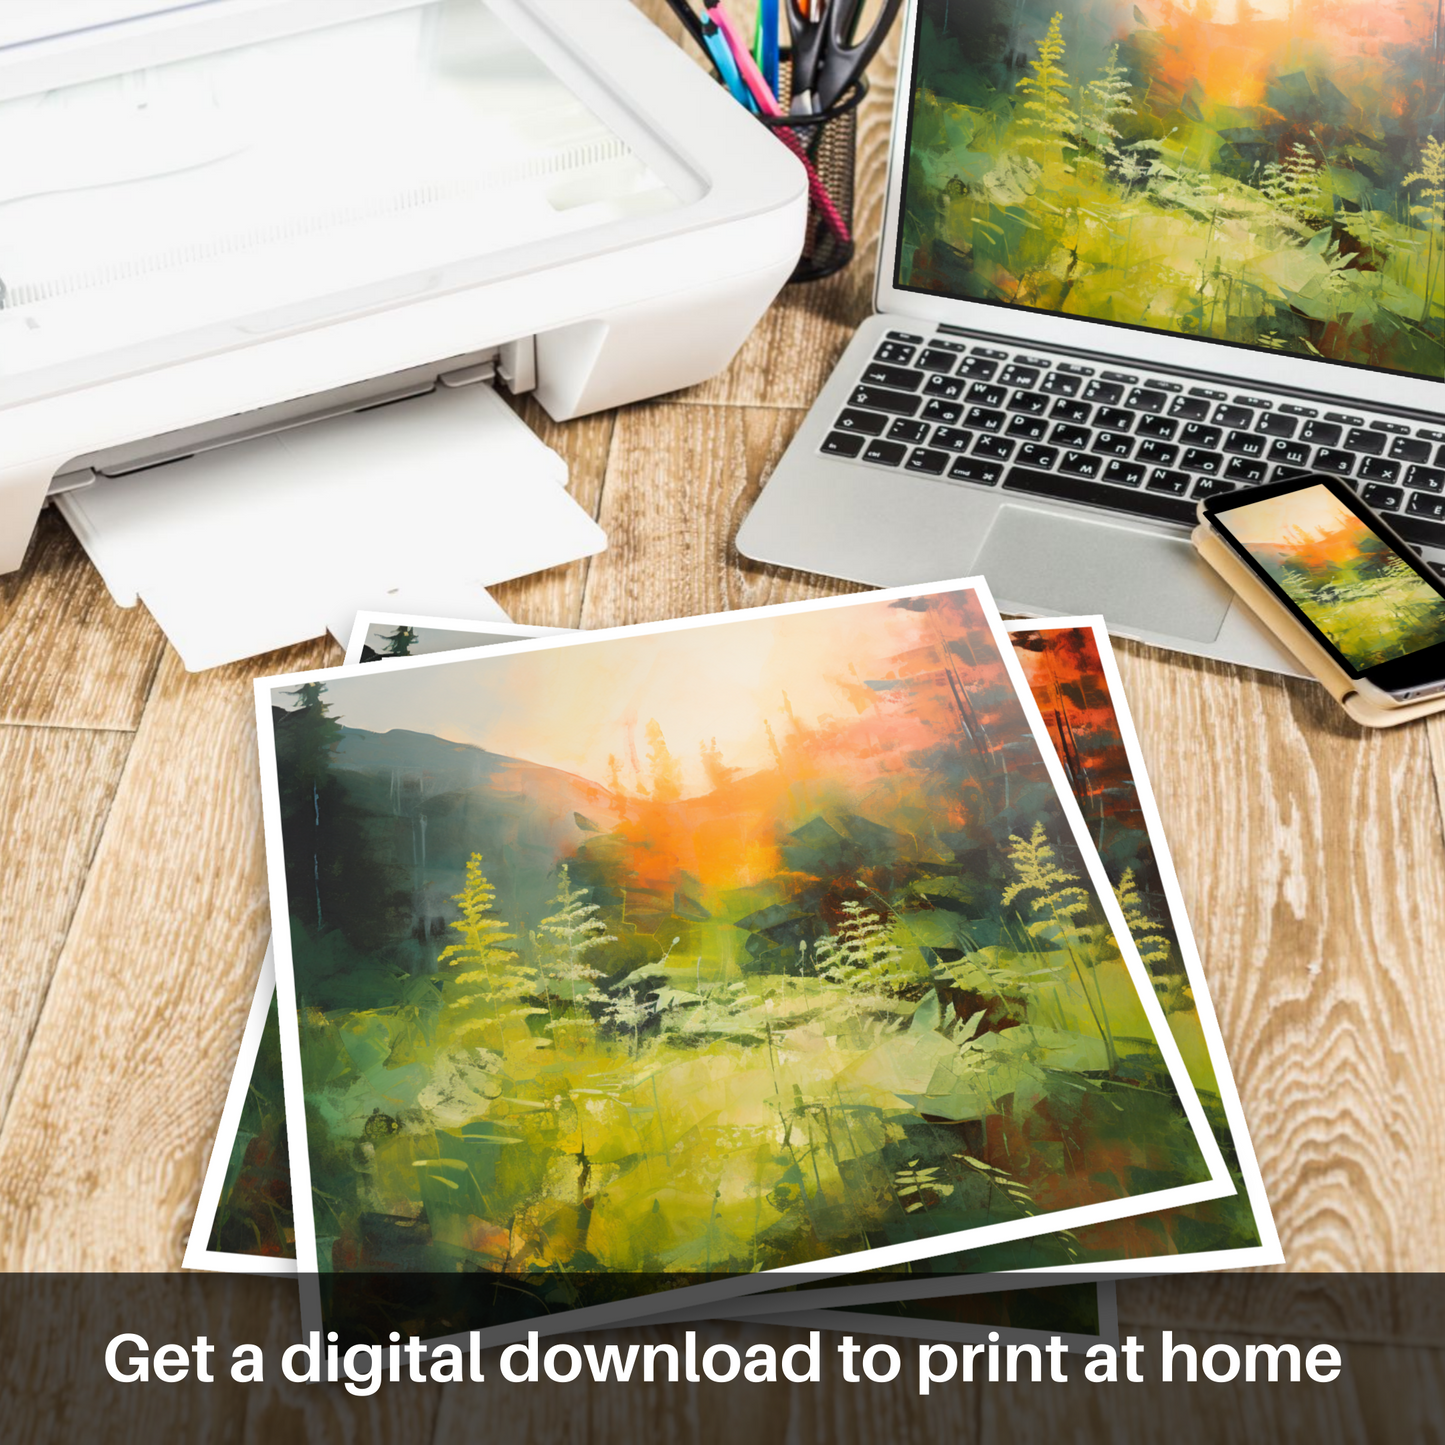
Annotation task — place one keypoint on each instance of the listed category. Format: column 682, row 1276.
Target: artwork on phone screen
column 1366, row 599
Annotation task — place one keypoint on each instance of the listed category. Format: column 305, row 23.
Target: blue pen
column 727, row 67
column 768, row 51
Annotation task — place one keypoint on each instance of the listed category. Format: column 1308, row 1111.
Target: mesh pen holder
column 827, row 144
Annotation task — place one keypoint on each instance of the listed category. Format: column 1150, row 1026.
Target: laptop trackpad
column 1071, row 565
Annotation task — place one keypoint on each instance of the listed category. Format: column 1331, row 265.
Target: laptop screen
column 1258, row 173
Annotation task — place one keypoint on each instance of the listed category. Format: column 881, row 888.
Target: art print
column 719, row 1038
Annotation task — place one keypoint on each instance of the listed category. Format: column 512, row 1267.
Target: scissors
column 827, row 56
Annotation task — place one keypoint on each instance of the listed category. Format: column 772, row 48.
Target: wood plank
column 1401, row 1393
column 827, row 1413
column 276, row 1411
column 116, row 1106
column 554, row 598
column 54, row 1330
column 1369, row 1308
column 1316, row 883
column 53, row 1333
column 679, row 482
column 1340, row 1413
column 1435, row 733
column 56, row 786
column 69, row 657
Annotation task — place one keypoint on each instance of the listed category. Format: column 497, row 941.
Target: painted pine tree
column 486, row 985
column 665, row 770
column 400, row 642
column 1046, row 107
column 310, row 738
column 861, row 955
column 1061, row 907
column 566, row 937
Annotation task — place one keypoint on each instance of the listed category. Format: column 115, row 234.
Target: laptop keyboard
column 1144, row 444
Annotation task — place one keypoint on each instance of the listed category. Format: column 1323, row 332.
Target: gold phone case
column 1262, row 602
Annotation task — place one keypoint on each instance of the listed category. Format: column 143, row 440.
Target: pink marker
column 768, row 105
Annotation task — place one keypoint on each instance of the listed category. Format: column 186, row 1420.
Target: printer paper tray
column 416, row 506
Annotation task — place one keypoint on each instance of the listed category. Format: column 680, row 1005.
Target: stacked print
column 711, row 957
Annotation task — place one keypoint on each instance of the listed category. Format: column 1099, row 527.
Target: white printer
column 223, row 220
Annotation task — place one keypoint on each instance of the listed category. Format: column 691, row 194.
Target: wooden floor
column 133, row 907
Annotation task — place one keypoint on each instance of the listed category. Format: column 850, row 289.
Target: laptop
column 1133, row 256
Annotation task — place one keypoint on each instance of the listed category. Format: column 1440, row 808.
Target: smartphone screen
column 1342, row 571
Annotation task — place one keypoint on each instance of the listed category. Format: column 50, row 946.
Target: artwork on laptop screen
column 1263, row 172
column 1370, row 603
column 671, row 999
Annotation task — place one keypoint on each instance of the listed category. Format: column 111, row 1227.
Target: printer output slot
column 243, row 549
column 514, row 363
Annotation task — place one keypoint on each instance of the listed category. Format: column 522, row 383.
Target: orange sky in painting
column 1315, row 511
column 1070, row 658
column 1232, row 62
column 575, row 707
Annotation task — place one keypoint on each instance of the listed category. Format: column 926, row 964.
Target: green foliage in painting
column 253, row 1212
column 1272, row 178
column 487, row 985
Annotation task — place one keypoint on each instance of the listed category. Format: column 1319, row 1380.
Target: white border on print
column 199, row 1254
column 501, row 626
column 1268, row 1250
column 955, row 1331
column 1217, row 1185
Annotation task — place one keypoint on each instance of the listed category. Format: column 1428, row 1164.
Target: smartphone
column 1341, row 571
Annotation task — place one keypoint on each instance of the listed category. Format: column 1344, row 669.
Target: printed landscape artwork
column 1070, row 670
column 243, row 1220
column 1365, row 598
column 701, row 951
column 244, row 1224
column 253, row 1213
column 1065, row 666
column 1088, row 723
column 1264, row 172
column 383, row 638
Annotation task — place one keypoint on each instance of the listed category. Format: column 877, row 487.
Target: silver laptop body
column 987, row 473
